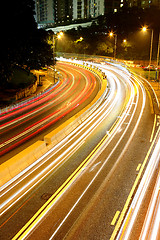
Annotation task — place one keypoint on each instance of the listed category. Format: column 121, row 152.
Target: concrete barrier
column 67, row 127
column 22, row 160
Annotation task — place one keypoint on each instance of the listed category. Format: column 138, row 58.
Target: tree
column 22, row 43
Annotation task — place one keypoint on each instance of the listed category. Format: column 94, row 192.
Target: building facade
column 45, row 11
column 51, row 12
column 95, row 8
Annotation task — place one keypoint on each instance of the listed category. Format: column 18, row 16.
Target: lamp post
column 53, row 58
column 144, row 29
column 59, row 35
column 111, row 34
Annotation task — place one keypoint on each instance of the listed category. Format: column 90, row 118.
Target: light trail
column 132, row 213
column 151, row 226
column 55, row 116
column 129, row 106
column 74, row 135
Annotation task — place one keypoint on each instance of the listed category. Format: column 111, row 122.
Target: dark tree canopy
column 22, row 43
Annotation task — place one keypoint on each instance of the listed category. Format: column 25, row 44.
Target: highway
column 84, row 186
column 35, row 115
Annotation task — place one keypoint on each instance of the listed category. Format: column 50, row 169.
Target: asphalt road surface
column 88, row 189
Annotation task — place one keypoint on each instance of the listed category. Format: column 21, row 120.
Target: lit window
column 115, row 10
column 121, row 5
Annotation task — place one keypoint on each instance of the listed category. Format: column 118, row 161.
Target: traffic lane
column 138, row 224
column 94, row 222
column 80, row 93
column 55, row 125
column 87, row 146
column 31, row 103
column 47, row 110
column 56, row 156
column 62, row 178
column 71, row 94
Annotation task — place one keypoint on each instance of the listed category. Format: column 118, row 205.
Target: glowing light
column 60, row 35
column 144, row 29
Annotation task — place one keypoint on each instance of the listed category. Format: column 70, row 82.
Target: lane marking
column 115, row 218
column 16, row 211
column 46, row 207
column 124, row 211
column 126, row 223
column 150, row 100
column 94, row 166
column 154, row 125
column 138, row 167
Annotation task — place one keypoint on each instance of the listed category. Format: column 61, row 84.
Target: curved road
column 76, row 90
column 90, row 179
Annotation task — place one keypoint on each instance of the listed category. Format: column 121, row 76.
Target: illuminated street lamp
column 111, row 34
column 144, row 29
column 59, row 36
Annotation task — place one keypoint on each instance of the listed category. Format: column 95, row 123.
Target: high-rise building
column 50, row 12
column 45, row 11
column 78, row 9
column 63, row 10
column 95, row 8
column 113, row 5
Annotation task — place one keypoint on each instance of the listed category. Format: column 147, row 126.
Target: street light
column 59, row 36
column 111, row 34
column 144, row 29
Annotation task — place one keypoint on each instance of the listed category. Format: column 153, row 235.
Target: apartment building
column 95, row 8
column 51, row 12
column 45, row 11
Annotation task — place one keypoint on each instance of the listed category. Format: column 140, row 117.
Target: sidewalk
column 7, row 97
